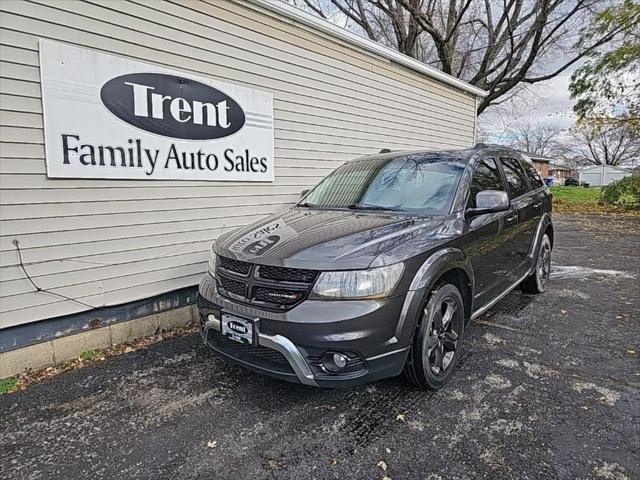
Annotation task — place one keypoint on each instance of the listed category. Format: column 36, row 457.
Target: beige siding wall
column 106, row 242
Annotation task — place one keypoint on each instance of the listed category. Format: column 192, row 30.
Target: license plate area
column 238, row 329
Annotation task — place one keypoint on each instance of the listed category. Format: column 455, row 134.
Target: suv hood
column 322, row 239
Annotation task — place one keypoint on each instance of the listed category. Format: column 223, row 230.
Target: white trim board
column 299, row 15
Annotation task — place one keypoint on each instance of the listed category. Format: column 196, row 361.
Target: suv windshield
column 417, row 184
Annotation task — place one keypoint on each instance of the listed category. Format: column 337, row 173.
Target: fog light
column 339, row 360
column 335, row 362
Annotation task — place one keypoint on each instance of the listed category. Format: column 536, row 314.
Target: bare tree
column 611, row 145
column 483, row 135
column 387, row 21
column 497, row 45
column 545, row 140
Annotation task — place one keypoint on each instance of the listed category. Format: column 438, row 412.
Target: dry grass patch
column 90, row 357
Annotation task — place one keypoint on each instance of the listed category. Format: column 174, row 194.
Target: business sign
column 111, row 117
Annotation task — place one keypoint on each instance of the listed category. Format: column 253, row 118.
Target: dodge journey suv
column 379, row 268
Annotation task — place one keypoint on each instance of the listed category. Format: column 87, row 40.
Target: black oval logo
column 172, row 106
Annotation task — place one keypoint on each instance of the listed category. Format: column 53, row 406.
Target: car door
column 492, row 253
column 540, row 201
column 523, row 202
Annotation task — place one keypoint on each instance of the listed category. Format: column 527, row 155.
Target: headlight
column 213, row 259
column 371, row 283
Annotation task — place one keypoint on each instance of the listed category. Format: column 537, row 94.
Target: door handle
column 511, row 219
column 536, row 205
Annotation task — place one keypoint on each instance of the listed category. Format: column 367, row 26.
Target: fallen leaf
column 274, row 464
column 212, row 444
column 31, row 377
column 563, row 311
column 388, row 450
column 334, row 462
column 400, row 417
column 382, row 465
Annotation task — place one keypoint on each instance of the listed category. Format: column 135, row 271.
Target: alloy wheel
column 443, row 335
column 543, row 267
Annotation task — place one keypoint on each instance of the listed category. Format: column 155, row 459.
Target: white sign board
column 111, row 117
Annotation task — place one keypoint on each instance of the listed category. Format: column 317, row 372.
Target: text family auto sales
column 136, row 155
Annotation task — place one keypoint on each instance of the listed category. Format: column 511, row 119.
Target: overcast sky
column 543, row 103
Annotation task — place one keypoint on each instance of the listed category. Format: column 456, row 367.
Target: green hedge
column 624, row 192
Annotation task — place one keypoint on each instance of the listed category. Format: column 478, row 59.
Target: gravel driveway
column 548, row 387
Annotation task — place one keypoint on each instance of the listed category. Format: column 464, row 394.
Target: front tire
column 537, row 281
column 436, row 344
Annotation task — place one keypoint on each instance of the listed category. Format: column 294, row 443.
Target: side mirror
column 490, row 201
column 304, row 192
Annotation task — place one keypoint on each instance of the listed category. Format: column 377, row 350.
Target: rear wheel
column 537, row 281
column 436, row 344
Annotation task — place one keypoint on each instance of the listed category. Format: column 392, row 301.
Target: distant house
column 560, row 172
column 600, row 175
column 541, row 163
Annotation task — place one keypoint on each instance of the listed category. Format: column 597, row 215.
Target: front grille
column 272, row 288
column 233, row 286
column 235, row 266
column 275, row 295
column 283, row 274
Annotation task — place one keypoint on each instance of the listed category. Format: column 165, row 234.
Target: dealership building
column 132, row 134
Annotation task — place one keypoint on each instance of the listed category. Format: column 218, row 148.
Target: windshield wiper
column 306, row 205
column 364, row 206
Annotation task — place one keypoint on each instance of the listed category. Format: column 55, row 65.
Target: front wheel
column 436, row 344
column 537, row 281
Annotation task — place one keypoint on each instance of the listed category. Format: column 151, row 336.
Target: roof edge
column 297, row 14
column 602, row 166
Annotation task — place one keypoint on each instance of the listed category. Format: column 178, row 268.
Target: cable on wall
column 16, row 242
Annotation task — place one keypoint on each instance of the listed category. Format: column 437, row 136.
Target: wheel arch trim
column 429, row 272
column 439, row 263
column 544, row 222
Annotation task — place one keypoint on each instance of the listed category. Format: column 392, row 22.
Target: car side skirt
column 509, row 289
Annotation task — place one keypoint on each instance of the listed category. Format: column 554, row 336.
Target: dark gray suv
column 379, row 268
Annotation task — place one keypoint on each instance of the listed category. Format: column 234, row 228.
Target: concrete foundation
column 59, row 350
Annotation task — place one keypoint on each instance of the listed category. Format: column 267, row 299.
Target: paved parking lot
column 548, row 387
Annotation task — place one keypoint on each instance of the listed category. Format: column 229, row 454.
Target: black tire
column 537, row 281
column 433, row 339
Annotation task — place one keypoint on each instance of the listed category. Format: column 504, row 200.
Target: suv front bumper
column 375, row 334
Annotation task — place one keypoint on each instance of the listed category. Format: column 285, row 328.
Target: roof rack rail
column 488, row 145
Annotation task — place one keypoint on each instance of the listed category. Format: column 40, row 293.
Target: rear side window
column 534, row 177
column 516, row 177
column 485, row 177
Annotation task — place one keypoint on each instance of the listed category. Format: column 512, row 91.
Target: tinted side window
column 534, row 177
column 516, row 177
column 485, row 177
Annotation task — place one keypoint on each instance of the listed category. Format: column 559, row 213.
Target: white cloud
column 544, row 103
